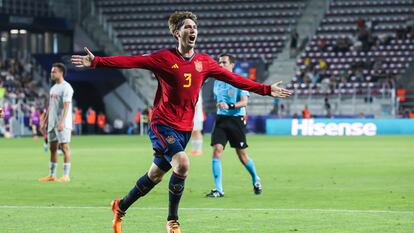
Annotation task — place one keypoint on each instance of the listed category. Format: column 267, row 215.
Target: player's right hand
column 222, row 105
column 83, row 61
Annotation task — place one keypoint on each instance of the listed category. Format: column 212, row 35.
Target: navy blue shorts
column 167, row 142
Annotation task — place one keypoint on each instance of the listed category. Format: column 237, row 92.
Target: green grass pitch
column 310, row 184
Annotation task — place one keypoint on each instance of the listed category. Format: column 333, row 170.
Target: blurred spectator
column 275, row 109
column 306, row 113
column 327, row 107
column 294, row 38
column 342, row 45
column 322, row 46
column 34, row 121
column 311, row 76
column 2, row 92
column 118, row 126
column 322, row 64
column 307, row 62
column 282, row 109
column 406, row 113
column 91, row 120
column 358, row 76
column 7, row 116
column 343, row 76
column 77, row 121
column 325, row 85
column 131, row 128
column 101, row 122
column 360, row 23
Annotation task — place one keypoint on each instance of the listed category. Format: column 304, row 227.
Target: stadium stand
column 361, row 48
column 248, row 29
column 341, row 44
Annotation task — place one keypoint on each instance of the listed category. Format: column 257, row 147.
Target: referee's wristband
column 232, row 106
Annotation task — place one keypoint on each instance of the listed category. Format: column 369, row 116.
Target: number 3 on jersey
column 187, row 77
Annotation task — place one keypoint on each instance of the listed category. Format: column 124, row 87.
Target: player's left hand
column 83, row 61
column 60, row 126
column 222, row 105
column 277, row 91
column 1, row 112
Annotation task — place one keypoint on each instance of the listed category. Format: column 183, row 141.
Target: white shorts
column 60, row 136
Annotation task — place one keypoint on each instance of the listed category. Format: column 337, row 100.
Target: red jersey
column 179, row 82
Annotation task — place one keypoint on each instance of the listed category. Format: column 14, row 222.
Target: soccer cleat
column 118, row 215
column 257, row 188
column 64, row 179
column 196, row 152
column 48, row 178
column 215, row 193
column 173, row 226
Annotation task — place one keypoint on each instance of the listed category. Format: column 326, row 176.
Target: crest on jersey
column 198, row 66
column 170, row 139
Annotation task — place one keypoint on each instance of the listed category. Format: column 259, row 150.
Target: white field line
column 224, row 209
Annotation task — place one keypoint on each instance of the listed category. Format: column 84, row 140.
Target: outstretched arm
column 243, row 83
column 278, row 91
column 83, row 61
column 122, row 62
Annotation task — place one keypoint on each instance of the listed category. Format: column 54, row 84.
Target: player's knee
column 64, row 147
column 182, row 167
column 217, row 151
column 155, row 177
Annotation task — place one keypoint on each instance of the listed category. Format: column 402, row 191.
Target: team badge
column 170, row 139
column 198, row 66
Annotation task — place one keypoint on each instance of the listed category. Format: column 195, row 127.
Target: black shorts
column 229, row 128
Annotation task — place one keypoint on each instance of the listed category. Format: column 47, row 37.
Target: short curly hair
column 177, row 18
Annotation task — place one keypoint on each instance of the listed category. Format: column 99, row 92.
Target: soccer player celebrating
column 180, row 73
column 59, row 122
column 230, row 126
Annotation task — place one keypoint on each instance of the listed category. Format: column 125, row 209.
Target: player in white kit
column 196, row 135
column 59, row 122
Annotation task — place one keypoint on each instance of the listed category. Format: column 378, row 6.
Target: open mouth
column 192, row 38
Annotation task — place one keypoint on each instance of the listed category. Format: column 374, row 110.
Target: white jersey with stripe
column 59, row 94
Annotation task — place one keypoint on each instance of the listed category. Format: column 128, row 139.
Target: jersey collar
column 185, row 58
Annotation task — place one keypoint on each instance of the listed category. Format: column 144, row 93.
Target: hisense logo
column 310, row 128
